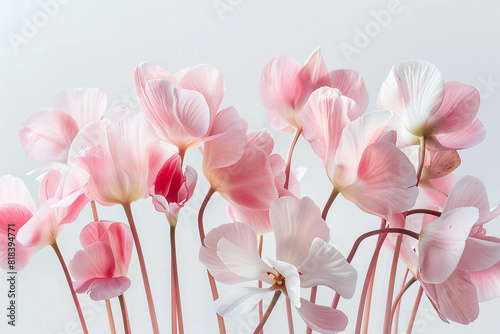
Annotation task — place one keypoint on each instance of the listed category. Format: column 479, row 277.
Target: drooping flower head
column 101, row 267
column 304, row 259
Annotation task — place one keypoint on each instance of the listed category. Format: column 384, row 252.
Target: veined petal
column 467, row 137
column 324, row 117
column 49, row 185
column 292, row 280
column 322, row 319
column 119, row 238
column 385, row 181
column 442, row 244
column 295, row 226
column 311, row 76
column 95, row 261
column 239, row 301
column 327, row 266
column 85, row 105
column 479, row 255
column 487, row 283
column 46, row 135
column 13, row 190
column 42, row 229
column 107, row 288
column 351, row 84
column 469, row 191
column 413, row 90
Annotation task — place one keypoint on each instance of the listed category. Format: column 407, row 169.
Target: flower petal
column 311, row 76
column 95, row 261
column 351, row 84
column 12, row 218
column 107, row 288
column 442, row 244
column 292, row 280
column 85, row 105
column 469, row 191
column 13, row 190
column 322, row 319
column 479, row 255
column 487, row 283
column 327, row 266
column 467, row 137
column 239, row 301
column 295, row 226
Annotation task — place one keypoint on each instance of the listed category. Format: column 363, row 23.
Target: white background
column 99, row 43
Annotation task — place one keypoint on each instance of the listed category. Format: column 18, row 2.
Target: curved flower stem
column 123, row 306
column 368, row 304
column 145, row 279
column 175, row 276
column 329, row 203
column 424, row 211
column 370, row 271
column 110, row 317
column 390, row 288
column 288, row 163
column 415, row 309
column 369, row 234
column 289, row 316
column 398, row 308
column 270, row 308
column 398, row 299
column 211, row 280
column 259, row 284
column 421, row 159
column 55, row 247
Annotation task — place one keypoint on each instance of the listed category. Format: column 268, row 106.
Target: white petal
column 322, row 319
column 292, row 280
column 239, row 301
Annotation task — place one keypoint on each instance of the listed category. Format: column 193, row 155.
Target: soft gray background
column 99, row 43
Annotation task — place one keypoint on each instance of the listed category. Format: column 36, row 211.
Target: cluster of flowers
column 383, row 161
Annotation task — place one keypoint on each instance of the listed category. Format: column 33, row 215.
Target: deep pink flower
column 231, row 256
column 425, row 106
column 362, row 165
column 172, row 189
column 101, row 267
column 285, row 87
column 121, row 153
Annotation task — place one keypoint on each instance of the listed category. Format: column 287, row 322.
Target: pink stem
column 421, row 159
column 173, row 304
column 398, row 308
column 415, row 310
column 390, row 288
column 94, row 211
column 270, row 308
column 368, row 303
column 55, row 247
column 176, row 279
column 126, row 322
column 145, row 279
column 259, row 284
column 211, row 280
column 424, row 211
column 398, row 298
column 288, row 163
column 110, row 317
column 289, row 316
column 329, row 203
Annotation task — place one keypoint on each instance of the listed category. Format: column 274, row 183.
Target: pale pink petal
column 226, row 142
column 46, row 135
column 179, row 114
column 311, row 76
column 458, row 109
column 12, row 218
column 351, row 84
column 442, row 244
column 49, row 185
column 327, row 266
column 238, row 301
column 385, row 181
column 95, row 261
column 257, row 218
column 487, row 283
column 72, row 186
column 469, row 136
column 296, row 223
column 261, row 139
column 42, row 229
column 85, row 105
column 119, row 237
column 70, row 213
column 456, row 298
column 414, row 91
column 469, row 191
column 93, row 232
column 440, row 189
column 206, row 80
column 107, row 288
column 292, row 280
column 324, row 117
column 241, row 262
column 442, row 163
column 322, row 319
column 13, row 190
column 358, row 135
column 479, row 255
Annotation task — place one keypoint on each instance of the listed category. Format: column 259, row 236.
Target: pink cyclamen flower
column 47, row 134
column 361, row 164
column 172, row 189
column 304, row 259
column 181, row 107
column 43, row 228
column 457, row 264
column 285, row 87
column 121, row 153
column 101, row 267
column 424, row 106
column 16, row 208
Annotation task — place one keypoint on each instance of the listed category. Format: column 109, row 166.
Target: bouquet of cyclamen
column 383, row 161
